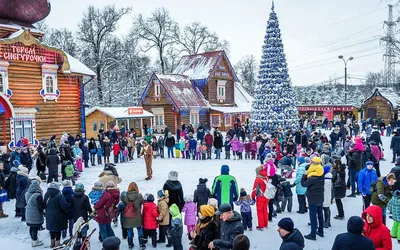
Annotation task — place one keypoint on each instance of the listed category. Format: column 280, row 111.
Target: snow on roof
column 16, row 34
column 119, row 112
column 75, row 66
column 243, row 102
column 20, row 27
column 389, row 94
column 198, row 66
column 181, row 91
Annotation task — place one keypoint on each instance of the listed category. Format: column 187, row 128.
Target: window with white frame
column 221, row 91
column 23, row 128
column 4, row 79
column 157, row 90
column 194, row 118
column 49, row 82
column 159, row 120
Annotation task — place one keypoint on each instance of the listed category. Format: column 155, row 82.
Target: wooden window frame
column 221, row 90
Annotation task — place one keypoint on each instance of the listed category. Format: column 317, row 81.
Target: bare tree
column 62, row 39
column 247, row 72
column 158, row 31
column 95, row 32
column 374, row 79
column 197, row 38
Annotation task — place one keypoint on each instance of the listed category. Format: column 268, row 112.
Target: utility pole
column 345, row 76
column 389, row 56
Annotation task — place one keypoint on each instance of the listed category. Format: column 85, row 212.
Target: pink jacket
column 270, row 168
column 235, row 144
column 253, row 146
column 190, row 210
column 376, row 152
column 240, row 147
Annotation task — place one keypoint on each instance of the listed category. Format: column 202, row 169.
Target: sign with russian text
column 325, row 108
column 34, row 53
column 135, row 111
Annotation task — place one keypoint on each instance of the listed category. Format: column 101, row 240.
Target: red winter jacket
column 247, row 147
column 208, row 139
column 116, row 149
column 106, row 200
column 253, row 146
column 259, row 186
column 377, row 231
column 149, row 214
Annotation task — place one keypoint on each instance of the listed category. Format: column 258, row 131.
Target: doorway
column 371, row 113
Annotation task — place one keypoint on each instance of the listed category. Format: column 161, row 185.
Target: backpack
column 112, row 211
column 270, row 190
column 130, row 211
column 373, row 186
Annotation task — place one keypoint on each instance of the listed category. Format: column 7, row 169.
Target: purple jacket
column 240, row 147
column 235, row 144
column 190, row 210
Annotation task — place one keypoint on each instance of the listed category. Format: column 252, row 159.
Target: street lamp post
column 345, row 76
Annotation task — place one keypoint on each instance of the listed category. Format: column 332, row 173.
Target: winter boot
column 141, row 243
column 3, row 215
column 124, row 233
column 36, row 243
column 52, row 243
column 57, row 243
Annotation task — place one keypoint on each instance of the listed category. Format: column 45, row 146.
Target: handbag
column 3, row 195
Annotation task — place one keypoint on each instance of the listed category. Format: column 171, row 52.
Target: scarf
column 202, row 224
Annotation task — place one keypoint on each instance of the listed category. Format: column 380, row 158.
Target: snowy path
column 14, row 234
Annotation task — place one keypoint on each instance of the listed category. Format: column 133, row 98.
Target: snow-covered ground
column 14, row 233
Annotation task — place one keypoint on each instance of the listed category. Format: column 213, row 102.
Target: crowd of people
column 318, row 167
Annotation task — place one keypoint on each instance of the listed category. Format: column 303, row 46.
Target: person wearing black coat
column 201, row 194
column 395, row 145
column 315, row 197
column 218, row 143
column 334, row 136
column 80, row 206
column 339, row 186
column 2, row 185
column 52, row 162
column 26, row 159
column 353, row 239
column 292, row 238
column 56, row 213
column 175, row 191
column 355, row 166
column 22, row 187
column 376, row 137
column 11, row 184
column 170, row 144
column 304, row 140
column 92, row 147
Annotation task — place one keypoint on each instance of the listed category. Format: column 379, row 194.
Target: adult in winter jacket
column 327, row 196
column 231, row 227
column 170, row 144
column 225, row 187
column 353, row 239
column 339, row 186
column 161, row 145
column 106, row 149
column 80, row 205
column 376, row 137
column 109, row 198
column 202, row 193
column 365, row 178
column 34, row 211
column 218, row 143
column 22, row 188
column 11, row 183
column 395, row 145
column 382, row 193
column 26, row 159
column 147, row 152
column 355, row 166
column 206, row 229
column 56, row 213
column 259, row 188
column 315, row 197
column 52, row 162
column 92, row 150
column 175, row 191
column 208, row 139
column 300, row 190
column 292, row 239
column 375, row 229
column 133, row 201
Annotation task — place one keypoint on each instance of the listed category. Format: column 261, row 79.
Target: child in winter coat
column 246, row 146
column 388, row 130
column 187, row 149
column 99, row 154
column 365, row 178
column 163, row 218
column 327, row 196
column 394, row 207
column 150, row 223
column 227, row 147
column 235, row 147
column 190, row 213
column 245, row 210
column 68, row 193
column 253, row 149
column 203, row 151
column 96, row 193
column 182, row 143
column 69, row 172
column 192, row 147
column 126, row 154
column 300, row 190
column 315, row 168
column 116, row 150
column 176, row 227
column 201, row 194
column 287, row 195
column 198, row 150
column 240, row 149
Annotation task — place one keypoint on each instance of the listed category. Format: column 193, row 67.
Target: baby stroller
column 77, row 242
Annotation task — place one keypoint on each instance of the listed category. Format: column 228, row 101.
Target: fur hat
column 203, row 181
column 207, row 211
column 173, row 176
column 111, row 243
column 23, row 169
column 35, row 178
column 213, row 202
column 66, row 183
column 54, row 185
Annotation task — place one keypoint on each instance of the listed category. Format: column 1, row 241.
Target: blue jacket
column 365, row 178
column 192, row 144
column 99, row 152
column 285, row 161
column 299, row 173
column 68, row 192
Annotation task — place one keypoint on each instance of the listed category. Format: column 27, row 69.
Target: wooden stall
column 384, row 103
column 107, row 117
column 329, row 111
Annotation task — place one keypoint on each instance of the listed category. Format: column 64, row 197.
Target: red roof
column 181, row 91
column 25, row 11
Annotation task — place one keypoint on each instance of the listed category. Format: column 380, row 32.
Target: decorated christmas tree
column 274, row 102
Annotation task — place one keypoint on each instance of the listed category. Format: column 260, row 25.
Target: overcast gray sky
column 314, row 32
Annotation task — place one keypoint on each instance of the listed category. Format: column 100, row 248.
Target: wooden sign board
column 135, row 111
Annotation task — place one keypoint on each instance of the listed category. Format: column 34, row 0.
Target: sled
column 71, row 243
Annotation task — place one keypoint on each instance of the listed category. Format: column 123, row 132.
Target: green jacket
column 176, row 220
column 225, row 189
column 69, row 171
column 382, row 193
column 137, row 200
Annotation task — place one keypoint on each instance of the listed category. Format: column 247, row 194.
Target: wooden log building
column 41, row 87
column 383, row 103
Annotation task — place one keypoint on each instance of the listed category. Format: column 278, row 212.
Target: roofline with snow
column 100, row 109
column 377, row 93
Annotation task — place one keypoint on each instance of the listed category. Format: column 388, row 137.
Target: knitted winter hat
column 301, row 159
column 79, row 187
column 203, row 181
column 54, row 185
column 160, row 193
column 66, row 183
column 111, row 243
column 327, row 169
column 207, row 211
column 173, row 176
column 98, row 184
column 241, row 242
column 150, row 198
column 243, row 192
column 286, row 224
